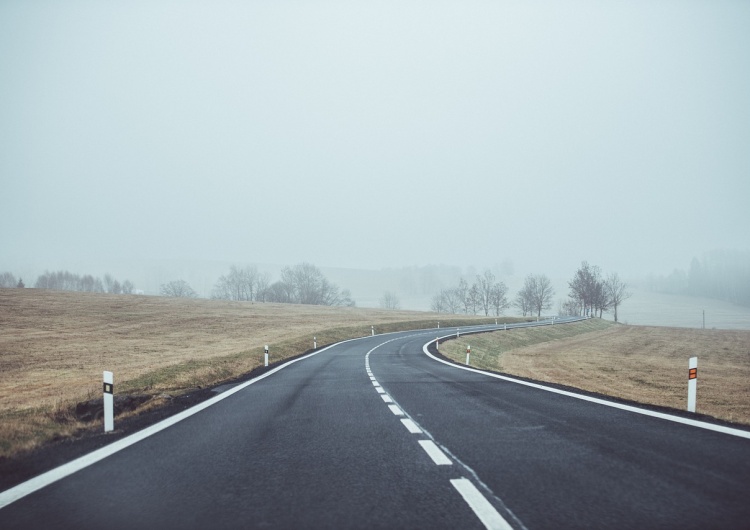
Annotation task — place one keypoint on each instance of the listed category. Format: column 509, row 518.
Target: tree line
column 720, row 274
column 68, row 281
column 485, row 294
column 303, row 283
column 591, row 293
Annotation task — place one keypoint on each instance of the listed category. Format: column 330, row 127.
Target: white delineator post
column 373, row 330
column 468, row 352
column 109, row 402
column 266, row 350
column 692, row 383
column 437, row 343
column 315, row 343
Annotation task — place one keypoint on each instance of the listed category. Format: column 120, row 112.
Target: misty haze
column 395, row 264
column 396, row 147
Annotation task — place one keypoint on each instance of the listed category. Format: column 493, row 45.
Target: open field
column 54, row 346
column 638, row 363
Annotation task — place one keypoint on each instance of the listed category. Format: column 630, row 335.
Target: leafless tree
column 585, row 287
column 485, row 283
column 390, row 300
column 127, row 287
column 178, row 289
column 617, row 291
column 8, row 280
column 524, row 299
column 462, row 292
column 438, row 303
column 498, row 298
column 474, row 299
column 536, row 294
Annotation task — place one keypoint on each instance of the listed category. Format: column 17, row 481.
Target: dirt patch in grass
column 54, row 346
column 638, row 363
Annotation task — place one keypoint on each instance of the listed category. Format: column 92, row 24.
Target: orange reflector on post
column 693, row 373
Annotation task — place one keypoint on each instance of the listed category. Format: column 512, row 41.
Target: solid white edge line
column 490, row 518
column 629, row 408
column 435, row 453
column 45, row 479
column 411, row 426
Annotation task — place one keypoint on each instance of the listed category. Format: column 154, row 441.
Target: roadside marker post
column 438, row 324
column 692, row 383
column 315, row 343
column 437, row 343
column 109, row 402
column 468, row 352
column 458, row 333
column 372, row 328
column 266, row 350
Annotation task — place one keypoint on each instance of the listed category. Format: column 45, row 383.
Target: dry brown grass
column 55, row 345
column 639, row 363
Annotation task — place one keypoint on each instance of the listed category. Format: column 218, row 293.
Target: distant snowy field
column 655, row 309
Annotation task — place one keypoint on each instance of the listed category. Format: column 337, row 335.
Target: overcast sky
column 375, row 134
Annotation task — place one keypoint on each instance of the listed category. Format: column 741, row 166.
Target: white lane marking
column 375, row 383
column 387, row 398
column 480, row 505
column 411, row 426
column 435, row 453
column 380, row 390
column 396, row 410
column 45, row 479
column 629, row 408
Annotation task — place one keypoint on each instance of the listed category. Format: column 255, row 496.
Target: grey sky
column 371, row 134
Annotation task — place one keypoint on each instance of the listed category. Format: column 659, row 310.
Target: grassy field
column 54, row 346
column 639, row 363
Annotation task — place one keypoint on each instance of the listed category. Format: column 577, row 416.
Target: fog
column 373, row 135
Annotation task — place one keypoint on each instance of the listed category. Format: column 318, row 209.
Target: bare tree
column 390, row 300
column 524, row 299
column 178, row 289
column 474, row 299
column 8, row 280
column 438, row 303
column 617, row 291
column 127, row 287
column 585, row 287
column 498, row 298
column 462, row 292
column 536, row 294
column 485, row 284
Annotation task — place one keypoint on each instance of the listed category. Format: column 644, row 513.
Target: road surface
column 374, row 433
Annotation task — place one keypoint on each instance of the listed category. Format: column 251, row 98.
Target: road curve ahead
column 372, row 433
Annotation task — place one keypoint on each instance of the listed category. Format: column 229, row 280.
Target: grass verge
column 637, row 363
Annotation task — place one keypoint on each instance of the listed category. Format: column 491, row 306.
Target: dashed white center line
column 411, row 426
column 396, row 410
column 387, row 398
column 435, row 453
column 481, row 506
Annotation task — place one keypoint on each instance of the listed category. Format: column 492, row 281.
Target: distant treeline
column 302, row 284
column 68, row 281
column 721, row 274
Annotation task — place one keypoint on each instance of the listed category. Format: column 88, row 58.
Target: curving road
column 374, row 433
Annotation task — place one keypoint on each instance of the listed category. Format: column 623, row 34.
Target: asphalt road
column 373, row 433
